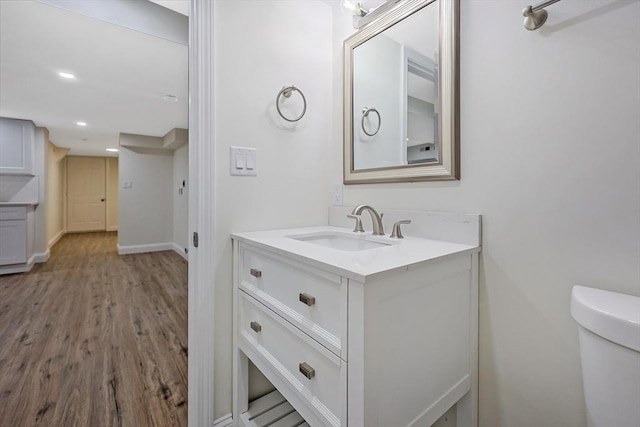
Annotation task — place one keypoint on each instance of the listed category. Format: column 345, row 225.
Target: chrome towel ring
column 287, row 91
column 365, row 114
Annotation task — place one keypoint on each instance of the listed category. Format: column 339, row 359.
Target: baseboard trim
column 27, row 266
column 41, row 257
column 180, row 251
column 55, row 239
column 225, row 421
column 112, row 228
column 138, row 249
column 17, row 268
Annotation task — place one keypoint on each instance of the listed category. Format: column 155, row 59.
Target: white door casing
column 201, row 217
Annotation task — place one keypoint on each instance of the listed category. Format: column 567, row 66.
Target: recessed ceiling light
column 170, row 98
column 81, row 123
column 113, row 150
column 67, row 76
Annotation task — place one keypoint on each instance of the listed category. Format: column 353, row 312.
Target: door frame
column 201, row 319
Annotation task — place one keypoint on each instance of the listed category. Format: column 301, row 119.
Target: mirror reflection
column 401, row 95
column 395, row 94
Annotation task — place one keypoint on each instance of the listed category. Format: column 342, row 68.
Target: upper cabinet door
column 16, row 146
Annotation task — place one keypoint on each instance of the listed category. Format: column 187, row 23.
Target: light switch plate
column 242, row 161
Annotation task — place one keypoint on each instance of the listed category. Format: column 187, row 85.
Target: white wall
column 550, row 156
column 259, row 48
column 380, row 90
column 145, row 209
column 181, row 200
column 56, row 184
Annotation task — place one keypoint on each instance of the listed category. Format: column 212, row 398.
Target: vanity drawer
column 312, row 300
column 312, row 376
column 13, row 212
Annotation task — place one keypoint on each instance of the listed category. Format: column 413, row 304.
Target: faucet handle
column 397, row 232
column 358, row 228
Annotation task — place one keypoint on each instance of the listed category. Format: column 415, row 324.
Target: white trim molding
column 138, row 249
column 180, row 251
column 17, row 268
column 40, row 257
column 27, row 266
column 201, row 214
column 225, row 421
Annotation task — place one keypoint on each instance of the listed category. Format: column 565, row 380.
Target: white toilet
column 609, row 336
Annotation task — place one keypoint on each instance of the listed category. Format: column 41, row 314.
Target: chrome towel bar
column 536, row 16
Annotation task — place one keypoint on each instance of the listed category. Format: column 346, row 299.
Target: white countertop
column 359, row 265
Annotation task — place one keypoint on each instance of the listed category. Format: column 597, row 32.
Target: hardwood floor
column 90, row 338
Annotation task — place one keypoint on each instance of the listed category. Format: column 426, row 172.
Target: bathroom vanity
column 358, row 330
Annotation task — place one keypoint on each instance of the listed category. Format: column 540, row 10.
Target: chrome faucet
column 376, row 219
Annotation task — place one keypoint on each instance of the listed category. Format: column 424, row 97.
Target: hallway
column 93, row 338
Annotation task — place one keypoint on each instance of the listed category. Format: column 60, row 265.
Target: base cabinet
column 398, row 349
column 13, row 235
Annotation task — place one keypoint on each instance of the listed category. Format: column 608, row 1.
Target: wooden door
column 86, row 207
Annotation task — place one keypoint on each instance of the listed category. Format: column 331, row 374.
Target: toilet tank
column 609, row 335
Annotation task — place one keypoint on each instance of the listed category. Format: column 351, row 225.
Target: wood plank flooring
column 90, row 338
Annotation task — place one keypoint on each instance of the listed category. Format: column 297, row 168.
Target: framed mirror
column 401, row 95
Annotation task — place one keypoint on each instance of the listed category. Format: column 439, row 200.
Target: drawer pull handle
column 307, row 370
column 256, row 326
column 256, row 272
column 307, row 299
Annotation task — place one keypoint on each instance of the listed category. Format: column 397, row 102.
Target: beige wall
column 56, row 184
column 112, row 193
column 40, row 169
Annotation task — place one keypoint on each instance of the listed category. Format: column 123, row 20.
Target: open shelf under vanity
column 272, row 410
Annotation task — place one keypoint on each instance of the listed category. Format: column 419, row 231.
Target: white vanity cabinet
column 358, row 339
column 13, row 235
column 16, row 146
column 291, row 322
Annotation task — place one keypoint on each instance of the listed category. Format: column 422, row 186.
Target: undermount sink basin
column 340, row 241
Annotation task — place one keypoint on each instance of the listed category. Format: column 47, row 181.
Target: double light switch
column 243, row 161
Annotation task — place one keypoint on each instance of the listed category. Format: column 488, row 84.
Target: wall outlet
column 336, row 197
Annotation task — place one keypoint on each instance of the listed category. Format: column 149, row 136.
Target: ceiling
column 122, row 77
